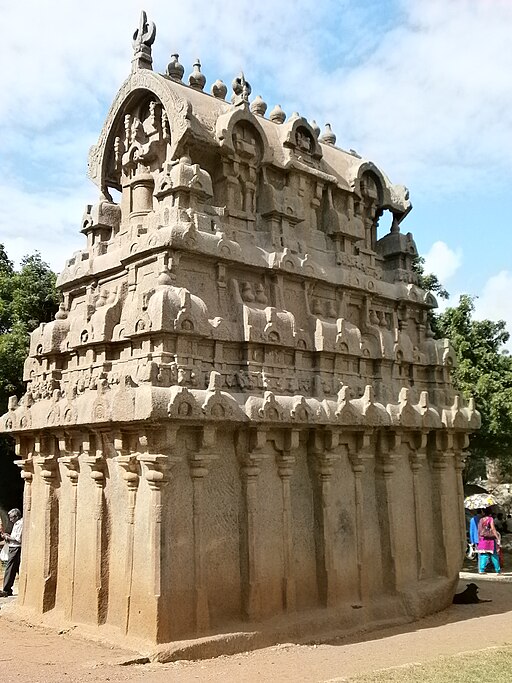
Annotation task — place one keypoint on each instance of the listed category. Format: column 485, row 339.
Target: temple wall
column 224, row 539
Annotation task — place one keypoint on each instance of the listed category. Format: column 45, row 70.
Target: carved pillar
column 285, row 463
column 389, row 445
column 127, row 462
column 93, row 457
column 70, row 462
column 440, row 460
column 250, row 447
column 198, row 462
column 46, row 461
column 460, row 461
column 357, row 460
column 417, row 458
column 27, row 473
column 156, row 472
column 321, row 448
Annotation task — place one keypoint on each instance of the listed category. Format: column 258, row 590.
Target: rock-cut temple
column 239, row 421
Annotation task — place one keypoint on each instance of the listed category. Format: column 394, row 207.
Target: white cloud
column 442, row 261
column 45, row 221
column 495, row 301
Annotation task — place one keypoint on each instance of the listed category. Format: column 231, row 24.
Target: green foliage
column 484, row 371
column 428, row 281
column 27, row 298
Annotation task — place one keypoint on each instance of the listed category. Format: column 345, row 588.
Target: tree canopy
column 28, row 297
column 484, row 371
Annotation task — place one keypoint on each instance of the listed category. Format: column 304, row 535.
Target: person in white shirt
column 13, row 540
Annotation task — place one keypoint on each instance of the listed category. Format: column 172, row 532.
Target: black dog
column 468, row 596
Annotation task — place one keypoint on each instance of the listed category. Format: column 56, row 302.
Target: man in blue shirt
column 473, row 528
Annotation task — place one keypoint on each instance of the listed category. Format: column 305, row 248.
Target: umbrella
column 480, row 500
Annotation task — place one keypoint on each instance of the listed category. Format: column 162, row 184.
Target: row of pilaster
column 151, row 455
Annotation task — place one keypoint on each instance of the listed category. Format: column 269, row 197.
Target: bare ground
column 39, row 655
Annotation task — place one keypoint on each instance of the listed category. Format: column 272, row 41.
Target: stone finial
column 328, row 137
column 61, row 314
column 277, row 115
column 219, row 89
column 258, row 106
column 316, row 128
column 143, row 39
column 164, row 278
column 174, row 69
column 241, row 90
column 197, row 80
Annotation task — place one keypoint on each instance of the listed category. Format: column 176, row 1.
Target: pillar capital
column 27, row 469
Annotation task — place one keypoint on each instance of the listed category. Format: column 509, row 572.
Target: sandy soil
column 40, row 655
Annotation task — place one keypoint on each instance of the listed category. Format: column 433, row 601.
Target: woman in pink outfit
column 488, row 542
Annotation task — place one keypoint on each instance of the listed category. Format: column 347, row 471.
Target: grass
column 492, row 664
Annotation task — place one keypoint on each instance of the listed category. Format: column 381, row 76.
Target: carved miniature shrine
column 240, row 413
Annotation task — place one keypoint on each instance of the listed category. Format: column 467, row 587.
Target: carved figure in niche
column 185, row 409
column 247, row 292
column 261, row 297
column 303, row 140
column 248, row 151
column 140, row 152
column 245, row 381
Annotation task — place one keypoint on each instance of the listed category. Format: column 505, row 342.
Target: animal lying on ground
column 468, row 596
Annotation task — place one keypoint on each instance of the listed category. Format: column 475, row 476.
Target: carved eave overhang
column 132, row 402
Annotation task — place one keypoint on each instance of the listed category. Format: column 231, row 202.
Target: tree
column 484, row 371
column 28, row 297
column 428, row 281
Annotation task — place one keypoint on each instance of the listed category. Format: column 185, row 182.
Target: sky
column 423, row 88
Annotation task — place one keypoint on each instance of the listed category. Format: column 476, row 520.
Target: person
column 14, row 542
column 473, row 528
column 488, row 542
column 508, row 524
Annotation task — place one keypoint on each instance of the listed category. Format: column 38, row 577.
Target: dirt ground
column 33, row 654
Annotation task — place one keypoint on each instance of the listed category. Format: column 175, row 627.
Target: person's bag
column 487, row 531
column 4, row 553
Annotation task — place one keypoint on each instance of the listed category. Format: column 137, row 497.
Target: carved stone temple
column 239, row 420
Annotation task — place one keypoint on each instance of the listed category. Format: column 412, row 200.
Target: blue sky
column 421, row 87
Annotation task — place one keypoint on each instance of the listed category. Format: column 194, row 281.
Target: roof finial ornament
column 241, row 90
column 277, row 115
column 174, row 69
column 259, row 106
column 219, row 89
column 197, row 80
column 143, row 39
column 328, row 137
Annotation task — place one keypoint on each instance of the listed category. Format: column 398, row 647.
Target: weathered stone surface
column 239, row 411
